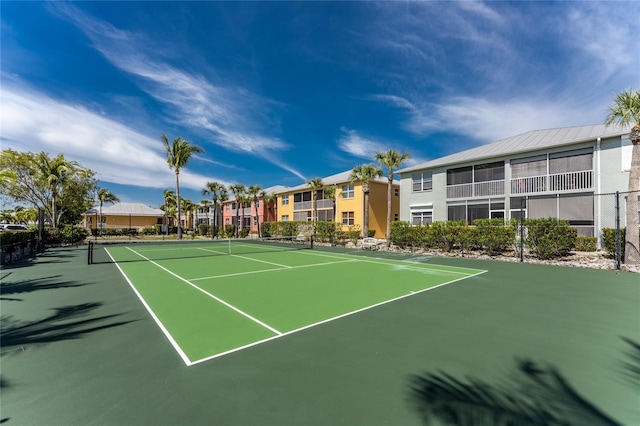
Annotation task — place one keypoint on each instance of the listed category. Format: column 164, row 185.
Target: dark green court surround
column 78, row 348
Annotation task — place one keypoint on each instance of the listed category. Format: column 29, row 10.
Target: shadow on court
column 8, row 287
column 537, row 394
column 67, row 322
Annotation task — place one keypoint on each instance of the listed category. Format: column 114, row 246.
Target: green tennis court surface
column 210, row 303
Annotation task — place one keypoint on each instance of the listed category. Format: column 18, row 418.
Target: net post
column 311, row 240
column 89, row 251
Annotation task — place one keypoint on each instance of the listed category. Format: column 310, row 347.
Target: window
column 422, row 181
column 326, row 215
column 488, row 172
column 396, row 217
column 571, row 161
column 529, row 167
column 227, row 207
column 347, row 191
column 460, row 175
column 397, row 192
column 285, row 218
column 421, row 217
column 285, row 200
column 303, row 216
column 302, row 196
column 457, row 212
column 347, row 218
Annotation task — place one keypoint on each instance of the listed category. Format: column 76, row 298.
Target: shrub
column 550, row 238
column 586, row 244
column 609, row 241
column 73, row 234
column 326, row 231
column 495, row 235
column 203, row 229
column 371, row 233
column 401, row 234
column 448, row 235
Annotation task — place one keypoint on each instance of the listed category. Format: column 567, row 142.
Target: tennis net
column 140, row 250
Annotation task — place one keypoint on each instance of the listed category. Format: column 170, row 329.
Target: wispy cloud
column 34, row 122
column 358, row 146
column 229, row 115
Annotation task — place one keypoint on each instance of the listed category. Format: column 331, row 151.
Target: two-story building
column 539, row 174
column 347, row 207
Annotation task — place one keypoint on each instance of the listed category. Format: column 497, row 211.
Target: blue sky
column 281, row 92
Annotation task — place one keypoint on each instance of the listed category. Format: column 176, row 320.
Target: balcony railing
column 477, row 189
column 302, row 205
column 557, row 182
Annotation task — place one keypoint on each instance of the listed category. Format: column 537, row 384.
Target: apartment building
column 346, row 208
column 538, row 174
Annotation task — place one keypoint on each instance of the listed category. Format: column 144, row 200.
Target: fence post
column 521, row 229
column 618, row 248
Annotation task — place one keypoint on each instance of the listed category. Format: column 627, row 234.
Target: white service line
column 268, row 327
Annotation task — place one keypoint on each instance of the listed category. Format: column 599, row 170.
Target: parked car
column 12, row 227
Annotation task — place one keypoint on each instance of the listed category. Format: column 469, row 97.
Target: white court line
column 212, row 277
column 268, row 327
column 394, row 262
column 153, row 315
column 332, row 319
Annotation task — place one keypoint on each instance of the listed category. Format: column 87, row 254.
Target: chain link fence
column 610, row 223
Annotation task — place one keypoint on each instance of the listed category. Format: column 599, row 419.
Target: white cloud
column 34, row 122
column 230, row 116
column 352, row 143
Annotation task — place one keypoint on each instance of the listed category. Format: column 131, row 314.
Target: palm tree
column 254, row 192
column 365, row 174
column 178, row 155
column 238, row 191
column 206, row 204
column 54, row 172
column 104, row 196
column 223, row 197
column 214, row 189
column 392, row 159
column 169, row 198
column 330, row 194
column 188, row 206
column 625, row 110
column 316, row 185
column 270, row 200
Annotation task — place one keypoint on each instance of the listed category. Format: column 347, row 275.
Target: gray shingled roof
column 525, row 142
column 342, row 177
column 126, row 209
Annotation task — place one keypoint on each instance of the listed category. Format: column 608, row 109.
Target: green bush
column 326, row 231
column 203, row 229
column 609, row 241
column 586, row 244
column 151, row 230
column 550, row 238
column 449, row 235
column 495, row 236
column 72, row 234
column 371, row 233
column 14, row 237
column 402, row 234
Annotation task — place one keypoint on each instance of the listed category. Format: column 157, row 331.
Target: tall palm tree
column 54, row 172
column 330, row 194
column 625, row 110
column 238, row 191
column 254, row 192
column 169, row 198
column 392, row 159
column 223, row 197
column 213, row 189
column 271, row 200
column 206, row 204
column 365, row 174
column 104, row 196
column 316, row 186
column 189, row 207
column 179, row 152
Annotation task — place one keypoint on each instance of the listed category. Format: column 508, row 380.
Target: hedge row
column 547, row 238
column 323, row 231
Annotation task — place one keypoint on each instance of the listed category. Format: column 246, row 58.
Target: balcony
column 477, row 189
column 572, row 181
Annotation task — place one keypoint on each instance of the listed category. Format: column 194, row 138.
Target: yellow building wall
column 377, row 206
column 121, row 221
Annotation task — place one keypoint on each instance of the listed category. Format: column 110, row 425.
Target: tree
column 169, row 198
column 63, row 189
column 179, row 152
column 271, row 200
column 214, row 189
column 206, row 204
column 365, row 174
column 188, row 207
column 104, row 196
column 316, row 186
column 625, row 110
column 223, row 197
column 255, row 191
column 238, row 191
column 392, row 159
column 330, row 194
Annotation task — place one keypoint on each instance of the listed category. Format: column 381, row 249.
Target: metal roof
column 525, row 142
column 342, row 177
column 126, row 209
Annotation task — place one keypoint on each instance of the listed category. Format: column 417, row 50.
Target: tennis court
column 139, row 342
column 212, row 298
